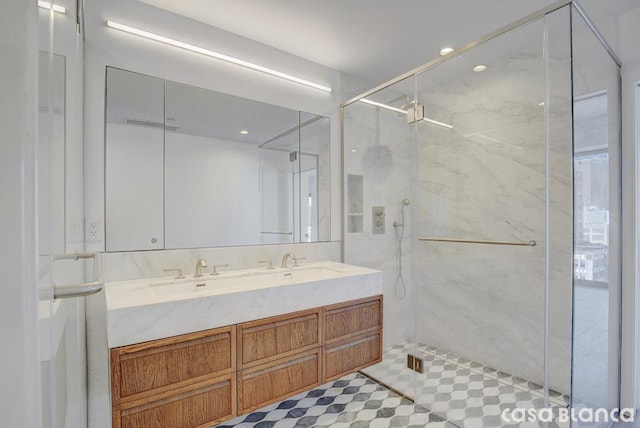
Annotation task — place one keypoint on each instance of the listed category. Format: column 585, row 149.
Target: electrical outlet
column 93, row 231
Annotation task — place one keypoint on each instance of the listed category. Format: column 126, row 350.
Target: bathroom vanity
column 251, row 338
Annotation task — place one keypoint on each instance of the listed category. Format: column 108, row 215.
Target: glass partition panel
column 597, row 213
column 315, row 178
column 481, row 232
column 379, row 179
column 514, row 222
column 279, row 181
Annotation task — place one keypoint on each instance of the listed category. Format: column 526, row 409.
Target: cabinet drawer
column 353, row 355
column 352, row 319
column 262, row 385
column 200, row 405
column 153, row 367
column 278, row 337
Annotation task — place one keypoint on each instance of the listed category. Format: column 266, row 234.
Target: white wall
column 19, row 389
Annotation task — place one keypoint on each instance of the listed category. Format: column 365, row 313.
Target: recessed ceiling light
column 541, row 103
column 244, row 132
column 353, row 150
column 479, row 68
column 446, row 51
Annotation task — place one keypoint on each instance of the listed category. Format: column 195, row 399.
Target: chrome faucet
column 201, row 263
column 286, row 258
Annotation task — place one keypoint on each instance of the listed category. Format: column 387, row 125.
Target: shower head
column 406, row 202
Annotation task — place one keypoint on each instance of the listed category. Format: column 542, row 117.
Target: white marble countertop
column 154, row 308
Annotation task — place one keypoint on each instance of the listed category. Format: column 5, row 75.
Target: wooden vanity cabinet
column 262, row 385
column 203, row 378
column 353, row 336
column 174, row 382
column 278, row 357
column 278, row 337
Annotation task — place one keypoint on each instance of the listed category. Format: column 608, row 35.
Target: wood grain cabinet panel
column 201, row 405
column 277, row 337
column 355, row 354
column 265, row 384
column 200, row 379
column 352, row 319
column 149, row 368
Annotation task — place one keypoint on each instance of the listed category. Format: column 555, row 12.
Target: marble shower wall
column 379, row 146
column 485, row 179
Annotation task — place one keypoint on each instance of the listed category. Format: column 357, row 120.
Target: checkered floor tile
column 463, row 392
column 353, row 401
column 452, row 392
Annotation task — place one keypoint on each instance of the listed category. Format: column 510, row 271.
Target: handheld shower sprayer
column 401, row 289
column 405, row 203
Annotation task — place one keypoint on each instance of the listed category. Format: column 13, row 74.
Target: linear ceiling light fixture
column 399, row 110
column 435, row 122
column 384, row 106
column 54, row 7
column 212, row 54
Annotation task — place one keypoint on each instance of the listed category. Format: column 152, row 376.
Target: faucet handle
column 214, row 271
column 178, row 270
column 267, row 261
column 295, row 261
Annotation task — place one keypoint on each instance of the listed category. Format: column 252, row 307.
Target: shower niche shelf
column 355, row 203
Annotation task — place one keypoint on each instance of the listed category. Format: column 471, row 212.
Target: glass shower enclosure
column 497, row 172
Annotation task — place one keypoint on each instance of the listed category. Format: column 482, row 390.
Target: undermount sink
column 148, row 309
column 243, row 280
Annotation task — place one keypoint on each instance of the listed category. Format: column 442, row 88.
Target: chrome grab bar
column 79, row 290
column 531, row 243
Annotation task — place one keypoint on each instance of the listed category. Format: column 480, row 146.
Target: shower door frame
column 624, row 392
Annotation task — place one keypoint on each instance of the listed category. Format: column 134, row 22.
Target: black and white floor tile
column 452, row 392
column 463, row 392
column 353, row 401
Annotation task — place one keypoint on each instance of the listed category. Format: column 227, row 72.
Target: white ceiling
column 375, row 40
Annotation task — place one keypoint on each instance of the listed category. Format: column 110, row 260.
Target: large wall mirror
column 187, row 167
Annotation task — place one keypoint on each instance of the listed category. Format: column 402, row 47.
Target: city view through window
column 591, row 189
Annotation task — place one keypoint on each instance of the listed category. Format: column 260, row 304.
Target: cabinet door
column 265, row 384
column 352, row 355
column 153, row 367
column 352, row 319
column 273, row 338
column 200, row 405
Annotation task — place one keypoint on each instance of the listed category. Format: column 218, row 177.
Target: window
column 591, row 189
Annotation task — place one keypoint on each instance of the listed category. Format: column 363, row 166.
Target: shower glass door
column 379, row 180
column 493, row 227
column 487, row 189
